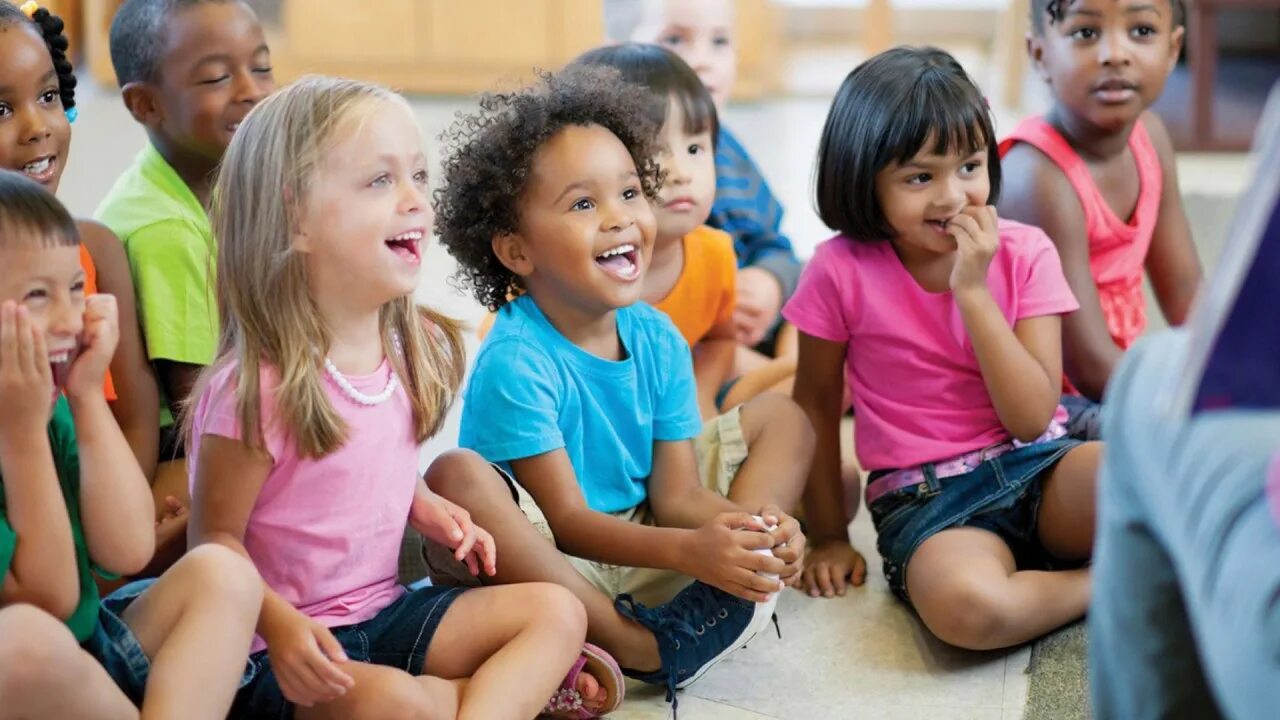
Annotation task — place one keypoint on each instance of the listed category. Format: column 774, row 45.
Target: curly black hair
column 50, row 27
column 489, row 157
column 1054, row 11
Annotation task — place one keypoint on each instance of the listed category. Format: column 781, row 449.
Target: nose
column 250, row 87
column 413, row 199
column 677, row 167
column 1114, row 50
column 617, row 216
column 35, row 126
column 65, row 318
column 953, row 196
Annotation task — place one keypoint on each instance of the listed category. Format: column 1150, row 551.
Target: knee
column 554, row 607
column 460, row 475
column 394, row 696
column 221, row 575
column 972, row 617
column 36, row 650
column 775, row 414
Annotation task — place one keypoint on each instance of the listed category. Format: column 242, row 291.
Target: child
column 1098, row 174
column 701, row 33
column 945, row 321
column 73, row 502
column 306, row 431
column 691, row 274
column 189, row 72
column 586, row 396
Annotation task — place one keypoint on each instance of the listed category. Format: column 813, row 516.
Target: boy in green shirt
column 189, row 71
column 63, row 651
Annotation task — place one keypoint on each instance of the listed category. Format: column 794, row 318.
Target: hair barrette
column 29, row 9
column 72, row 115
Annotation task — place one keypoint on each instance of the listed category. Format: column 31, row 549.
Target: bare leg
column 387, row 693
column 527, row 556
column 516, row 643
column 1068, row 509
column 964, row 584
column 780, row 449
column 45, row 674
column 196, row 624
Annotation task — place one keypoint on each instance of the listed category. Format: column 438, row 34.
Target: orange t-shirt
column 91, row 288
column 704, row 295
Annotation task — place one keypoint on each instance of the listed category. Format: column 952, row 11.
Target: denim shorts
column 397, row 637
column 115, row 646
column 1002, row 496
column 1084, row 417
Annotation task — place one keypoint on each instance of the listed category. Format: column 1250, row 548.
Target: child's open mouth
column 407, row 246
column 939, row 226
column 60, row 368
column 41, row 169
column 620, row 262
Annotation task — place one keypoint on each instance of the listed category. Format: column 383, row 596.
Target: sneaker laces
column 701, row 605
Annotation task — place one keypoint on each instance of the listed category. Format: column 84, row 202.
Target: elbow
column 1090, row 376
column 133, row 557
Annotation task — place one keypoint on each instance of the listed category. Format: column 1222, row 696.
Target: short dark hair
column 50, row 28
column 489, row 158
column 138, row 34
column 884, row 112
column 665, row 75
column 1053, row 11
column 28, row 209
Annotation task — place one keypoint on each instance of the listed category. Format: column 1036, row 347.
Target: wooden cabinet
column 448, row 46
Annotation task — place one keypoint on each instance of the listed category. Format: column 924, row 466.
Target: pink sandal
column 567, row 703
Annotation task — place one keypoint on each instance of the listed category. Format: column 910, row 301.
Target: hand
column 101, row 334
column 26, row 381
column 723, row 554
column 449, row 525
column 304, row 655
column 831, row 566
column 759, row 300
column 788, row 543
column 977, row 238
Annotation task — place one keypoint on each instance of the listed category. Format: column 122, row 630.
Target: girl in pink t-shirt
column 305, row 434
column 945, row 322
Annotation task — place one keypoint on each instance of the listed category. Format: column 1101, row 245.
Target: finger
column 327, row 644
column 40, row 354
column 450, row 527
column 473, row 565
column 753, row 540
column 859, row 574
column 762, row 562
column 332, row 680
column 26, row 342
column 757, row 582
column 464, row 547
column 823, row 575
column 488, row 552
column 809, row 582
column 786, row 554
column 308, row 684
column 966, row 223
column 740, row 521
column 746, row 592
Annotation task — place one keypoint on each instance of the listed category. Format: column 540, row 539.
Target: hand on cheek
column 98, row 345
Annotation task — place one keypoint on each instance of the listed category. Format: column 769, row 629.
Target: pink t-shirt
column 918, row 391
column 325, row 533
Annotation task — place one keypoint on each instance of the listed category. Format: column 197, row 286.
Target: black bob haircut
column 1055, row 11
column 664, row 74
column 50, row 28
column 139, row 35
column 884, row 113
column 30, row 212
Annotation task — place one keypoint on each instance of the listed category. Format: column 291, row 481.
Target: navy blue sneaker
column 696, row 630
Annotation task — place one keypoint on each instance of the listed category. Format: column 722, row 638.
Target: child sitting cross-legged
column 671, row 534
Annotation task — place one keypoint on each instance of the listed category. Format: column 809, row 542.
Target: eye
column 382, row 180
column 5, row 110
column 35, row 295
column 670, row 40
column 1144, row 32
column 215, row 81
column 971, row 167
column 1084, row 34
column 420, row 177
column 721, row 41
column 48, row 97
column 631, row 193
column 583, row 204
column 77, row 287
column 919, row 179
column 696, row 149
column 267, row 70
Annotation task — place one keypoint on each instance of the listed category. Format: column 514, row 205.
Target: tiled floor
column 861, row 656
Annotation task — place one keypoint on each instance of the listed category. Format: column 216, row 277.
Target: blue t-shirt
column 532, row 391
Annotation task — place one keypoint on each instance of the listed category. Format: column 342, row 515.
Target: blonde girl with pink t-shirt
column 945, row 322
column 305, row 436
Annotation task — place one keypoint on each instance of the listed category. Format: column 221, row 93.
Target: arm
column 229, row 477
column 819, row 391
column 115, row 500
column 1172, row 263
column 1047, row 201
column 1020, row 365
column 712, row 365
column 178, row 379
column 137, row 409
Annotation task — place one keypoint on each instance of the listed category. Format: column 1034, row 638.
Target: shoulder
column 645, row 323
column 1036, row 190
column 174, row 235
column 1020, row 239
column 1160, row 139
column 513, row 344
column 713, row 244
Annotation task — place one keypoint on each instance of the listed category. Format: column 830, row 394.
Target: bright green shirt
column 169, row 241
column 66, row 458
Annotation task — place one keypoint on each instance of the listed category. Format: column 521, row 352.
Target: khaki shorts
column 721, row 450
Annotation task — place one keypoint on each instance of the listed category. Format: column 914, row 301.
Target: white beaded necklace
column 353, row 394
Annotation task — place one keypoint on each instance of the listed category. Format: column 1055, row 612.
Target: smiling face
column 367, row 217
column 586, row 229
column 1107, row 60
column 35, row 135
column 49, row 281
column 216, row 67
column 920, row 196
column 688, row 159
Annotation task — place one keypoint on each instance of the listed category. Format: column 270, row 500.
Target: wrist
column 970, row 295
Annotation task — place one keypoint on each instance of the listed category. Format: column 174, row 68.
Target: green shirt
column 169, row 241
column 66, row 458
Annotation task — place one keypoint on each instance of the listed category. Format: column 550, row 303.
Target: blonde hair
column 268, row 315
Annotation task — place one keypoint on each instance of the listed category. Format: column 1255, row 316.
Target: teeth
column 620, row 250
column 410, row 236
column 38, row 167
column 60, row 357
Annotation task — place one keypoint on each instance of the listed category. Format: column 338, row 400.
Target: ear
column 1035, row 51
column 301, row 240
column 510, row 250
column 143, row 103
column 1175, row 44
